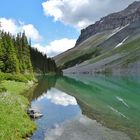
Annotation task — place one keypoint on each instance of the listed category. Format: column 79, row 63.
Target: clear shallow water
column 56, row 107
column 113, row 101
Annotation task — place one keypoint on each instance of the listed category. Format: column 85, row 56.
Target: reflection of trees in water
column 95, row 96
column 45, row 84
column 77, row 84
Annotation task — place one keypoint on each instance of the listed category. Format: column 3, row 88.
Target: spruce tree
column 17, row 56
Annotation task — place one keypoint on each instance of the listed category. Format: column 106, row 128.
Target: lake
column 87, row 107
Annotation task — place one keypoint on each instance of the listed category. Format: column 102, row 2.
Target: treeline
column 40, row 62
column 14, row 53
column 17, row 56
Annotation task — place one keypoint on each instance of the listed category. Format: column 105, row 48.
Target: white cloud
column 14, row 27
column 56, row 47
column 59, row 98
column 9, row 25
column 40, row 48
column 31, row 32
column 81, row 13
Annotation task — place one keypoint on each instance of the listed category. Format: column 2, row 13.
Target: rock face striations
column 112, row 21
column 111, row 45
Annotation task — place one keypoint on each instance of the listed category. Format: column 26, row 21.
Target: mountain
column 110, row 45
column 112, row 21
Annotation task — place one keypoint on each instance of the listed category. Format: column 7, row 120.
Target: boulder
column 33, row 113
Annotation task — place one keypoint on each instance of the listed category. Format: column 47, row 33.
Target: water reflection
column 59, row 98
column 55, row 105
column 83, row 128
column 45, row 84
column 114, row 101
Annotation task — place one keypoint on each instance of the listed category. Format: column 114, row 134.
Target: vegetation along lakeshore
column 18, row 62
column 70, row 70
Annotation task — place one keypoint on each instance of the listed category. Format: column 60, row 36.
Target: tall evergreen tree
column 12, row 64
column 17, row 56
column 40, row 62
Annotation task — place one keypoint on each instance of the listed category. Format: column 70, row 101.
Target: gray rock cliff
column 112, row 21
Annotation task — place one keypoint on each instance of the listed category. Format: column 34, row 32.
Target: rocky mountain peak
column 134, row 5
column 112, row 21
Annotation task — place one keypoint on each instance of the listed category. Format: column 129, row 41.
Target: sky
column 54, row 25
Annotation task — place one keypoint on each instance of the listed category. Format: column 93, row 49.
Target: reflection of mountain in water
column 113, row 101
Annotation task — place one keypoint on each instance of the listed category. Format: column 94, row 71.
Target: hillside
column 112, row 21
column 114, row 49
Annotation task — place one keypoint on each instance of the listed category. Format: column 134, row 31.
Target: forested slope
column 17, row 56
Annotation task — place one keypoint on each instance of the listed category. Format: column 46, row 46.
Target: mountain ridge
column 112, row 21
column 118, row 54
column 112, row 49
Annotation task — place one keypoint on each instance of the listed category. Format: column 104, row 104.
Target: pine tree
column 12, row 64
column 17, row 56
column 40, row 62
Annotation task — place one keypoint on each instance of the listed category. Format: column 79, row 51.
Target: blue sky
column 54, row 25
column 31, row 11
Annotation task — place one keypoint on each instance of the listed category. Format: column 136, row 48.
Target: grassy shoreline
column 14, row 121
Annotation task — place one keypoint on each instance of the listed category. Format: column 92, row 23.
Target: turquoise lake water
column 96, row 107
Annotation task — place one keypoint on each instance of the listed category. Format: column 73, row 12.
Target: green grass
column 84, row 48
column 130, row 46
column 130, row 50
column 15, row 87
column 15, row 124
column 17, row 77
